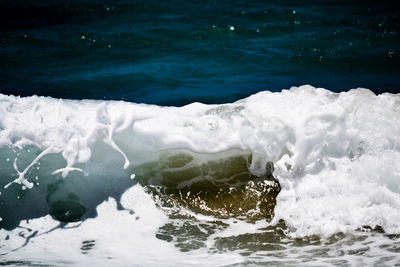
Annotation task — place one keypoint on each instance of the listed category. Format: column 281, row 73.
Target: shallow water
column 299, row 177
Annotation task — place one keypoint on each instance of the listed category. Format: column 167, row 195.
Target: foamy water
column 334, row 156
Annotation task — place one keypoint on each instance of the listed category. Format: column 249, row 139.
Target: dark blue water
column 177, row 52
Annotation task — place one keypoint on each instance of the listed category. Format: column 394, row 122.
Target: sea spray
column 322, row 146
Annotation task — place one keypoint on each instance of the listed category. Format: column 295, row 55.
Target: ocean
column 199, row 133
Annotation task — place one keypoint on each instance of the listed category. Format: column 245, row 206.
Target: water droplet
column 232, row 28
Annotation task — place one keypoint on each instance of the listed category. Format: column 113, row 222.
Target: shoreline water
column 198, row 182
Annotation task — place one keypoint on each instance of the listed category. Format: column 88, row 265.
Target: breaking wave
column 322, row 162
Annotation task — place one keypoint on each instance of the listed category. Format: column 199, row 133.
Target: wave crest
column 335, row 155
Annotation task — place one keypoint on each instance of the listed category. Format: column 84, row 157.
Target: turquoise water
column 178, row 52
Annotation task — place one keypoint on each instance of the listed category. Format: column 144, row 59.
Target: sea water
column 179, row 52
column 164, row 134
column 304, row 175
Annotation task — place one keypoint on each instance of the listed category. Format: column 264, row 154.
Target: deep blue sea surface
column 178, row 52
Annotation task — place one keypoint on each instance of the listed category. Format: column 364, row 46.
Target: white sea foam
column 336, row 156
column 114, row 237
